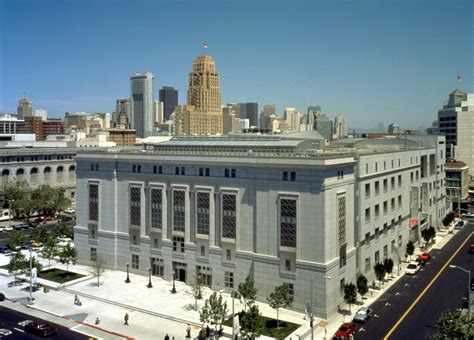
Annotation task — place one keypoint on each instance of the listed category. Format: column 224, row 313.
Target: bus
column 6, row 214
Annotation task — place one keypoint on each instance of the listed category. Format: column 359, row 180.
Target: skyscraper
column 265, row 116
column 121, row 106
column 323, row 125
column 249, row 111
column 169, row 98
column 341, row 127
column 25, row 108
column 142, row 104
column 158, row 111
column 203, row 114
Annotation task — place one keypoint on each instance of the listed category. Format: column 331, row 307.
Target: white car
column 8, row 228
column 70, row 211
column 413, row 268
column 468, row 214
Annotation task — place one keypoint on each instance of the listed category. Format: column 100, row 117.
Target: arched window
column 20, row 174
column 5, row 177
column 72, row 173
column 34, row 175
column 60, row 171
column 47, row 174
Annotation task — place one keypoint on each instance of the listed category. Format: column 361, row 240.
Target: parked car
column 421, row 261
column 425, row 256
column 5, row 250
column 8, row 228
column 36, row 244
column 459, row 225
column 468, row 214
column 70, row 211
column 363, row 314
column 32, row 223
column 46, row 218
column 346, row 330
column 41, row 328
column 413, row 268
column 20, row 226
column 65, row 218
column 2, row 297
column 470, row 250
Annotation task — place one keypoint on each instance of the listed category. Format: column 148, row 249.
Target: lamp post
column 149, row 285
column 311, row 321
column 173, row 290
column 468, row 288
column 31, row 278
column 127, row 280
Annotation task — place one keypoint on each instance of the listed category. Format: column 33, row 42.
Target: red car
column 41, row 328
column 471, row 249
column 345, row 331
column 425, row 256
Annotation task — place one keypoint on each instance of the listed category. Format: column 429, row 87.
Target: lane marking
column 426, row 288
column 19, row 330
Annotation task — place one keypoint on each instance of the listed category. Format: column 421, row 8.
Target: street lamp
column 311, row 309
column 468, row 287
column 173, row 290
column 127, row 280
column 149, row 285
column 31, row 278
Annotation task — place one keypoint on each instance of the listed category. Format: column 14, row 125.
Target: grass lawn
column 285, row 328
column 58, row 275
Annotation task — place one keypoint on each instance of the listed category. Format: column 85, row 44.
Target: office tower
column 249, row 111
column 203, row 114
column 169, row 98
column 142, row 102
column 323, row 125
column 265, row 116
column 43, row 114
column 341, row 127
column 25, row 108
column 292, row 118
column 456, row 122
column 229, row 118
column 158, row 111
column 315, row 110
column 121, row 105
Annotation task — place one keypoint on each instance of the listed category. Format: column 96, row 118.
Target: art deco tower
column 202, row 115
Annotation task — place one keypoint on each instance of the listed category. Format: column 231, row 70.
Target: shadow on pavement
column 77, row 317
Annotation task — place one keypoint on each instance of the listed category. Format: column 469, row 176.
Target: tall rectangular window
column 229, row 279
column 288, row 222
column 178, row 210
column 93, row 254
column 156, row 208
column 135, row 262
column 135, row 205
column 341, row 218
column 229, row 222
column 203, row 199
column 93, row 202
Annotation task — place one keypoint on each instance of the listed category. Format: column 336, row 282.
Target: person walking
column 167, row 337
column 125, row 319
column 188, row 331
column 97, row 320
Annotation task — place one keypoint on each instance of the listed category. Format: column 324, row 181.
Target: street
column 11, row 318
column 48, row 226
column 411, row 307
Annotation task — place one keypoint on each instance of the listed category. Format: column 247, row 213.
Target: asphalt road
column 448, row 291
column 10, row 319
column 49, row 225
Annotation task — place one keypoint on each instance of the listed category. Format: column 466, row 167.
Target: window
column 392, row 204
column 204, row 275
column 342, row 283
column 156, row 208
column 93, row 202
column 385, row 251
column 341, row 218
column 293, row 176
column 207, row 172
column 384, row 165
column 229, row 279
column 34, row 175
column 59, row 174
column 157, row 169
column 47, row 174
column 288, row 222
column 291, row 289
column 411, row 177
column 285, row 175
column 377, row 188
column 367, row 239
column 134, row 240
column 136, row 168
column 340, row 174
column 203, row 218
column 367, row 215
column 385, row 207
column 155, row 243
column 377, row 211
column 392, row 183
column 157, row 267
column 178, row 244
column 135, row 206
column 229, row 255
column 233, row 173
column 367, row 264
column 367, row 168
column 376, row 233
column 203, row 250
column 377, row 257
column 183, row 171
column 399, row 181
column 93, row 254
column 228, row 216
column 367, row 190
column 392, row 246
column 201, row 171
column 399, row 201
column 72, row 173
column 176, row 170
column 385, row 185
column 135, row 262
column 342, row 256
column 178, row 210
column 288, row 265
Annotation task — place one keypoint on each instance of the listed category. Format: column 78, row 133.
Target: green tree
column 380, row 271
column 280, row 298
column 17, row 197
column 50, row 199
column 17, row 264
column 350, row 294
column 62, row 230
column 252, row 323
column 50, row 250
column 68, row 255
column 247, row 292
column 454, row 325
column 410, row 249
column 362, row 285
column 388, row 264
column 214, row 310
column 39, row 235
column 446, row 221
column 97, row 268
column 15, row 239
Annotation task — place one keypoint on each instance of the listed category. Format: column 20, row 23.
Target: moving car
column 41, row 328
column 363, row 314
column 413, row 268
column 425, row 256
column 470, row 250
column 346, row 330
column 468, row 214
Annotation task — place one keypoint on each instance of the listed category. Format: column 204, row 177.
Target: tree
column 50, row 199
column 388, row 264
column 17, row 264
column 19, row 194
column 97, row 268
column 410, row 249
column 40, row 235
column 350, row 294
column 446, row 221
column 214, row 310
column 280, row 298
column 247, row 292
column 15, row 239
column 251, row 323
column 50, row 250
column 454, row 325
column 362, row 285
column 380, row 271
column 196, row 291
column 68, row 255
column 62, row 230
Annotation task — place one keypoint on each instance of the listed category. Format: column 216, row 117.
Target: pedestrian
column 125, row 319
column 167, row 337
column 97, row 320
column 188, row 331
column 208, row 331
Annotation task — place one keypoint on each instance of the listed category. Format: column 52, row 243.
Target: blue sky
column 377, row 61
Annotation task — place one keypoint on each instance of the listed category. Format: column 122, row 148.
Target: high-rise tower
column 169, row 98
column 25, row 108
column 142, row 104
column 202, row 115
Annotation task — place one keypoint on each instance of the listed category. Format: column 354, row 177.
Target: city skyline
column 389, row 62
